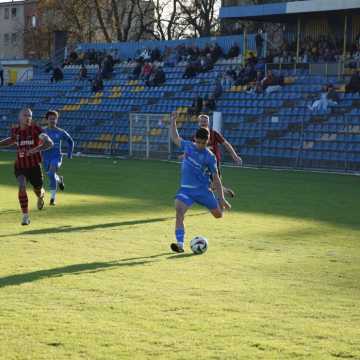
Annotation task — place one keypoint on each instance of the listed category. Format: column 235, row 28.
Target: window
column 33, row 21
column 6, row 13
column 13, row 39
column 13, row 12
column 6, row 39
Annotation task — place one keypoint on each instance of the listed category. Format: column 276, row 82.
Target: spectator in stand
column 73, row 57
column 209, row 104
column 270, row 83
column 136, row 71
column 57, row 75
column 218, row 88
column 107, row 68
column 354, row 84
column 83, row 72
column 206, row 63
column 233, row 52
column 1, row 74
column 146, row 70
column 246, row 75
column 259, row 41
column 157, row 77
column 156, row 55
column 197, row 106
column 323, row 103
column 97, row 84
column 332, row 94
column 191, row 70
column 216, row 52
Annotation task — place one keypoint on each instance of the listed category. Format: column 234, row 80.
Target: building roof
column 285, row 11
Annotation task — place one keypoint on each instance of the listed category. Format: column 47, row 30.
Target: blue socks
column 180, row 234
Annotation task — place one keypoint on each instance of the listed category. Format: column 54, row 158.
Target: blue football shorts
column 202, row 197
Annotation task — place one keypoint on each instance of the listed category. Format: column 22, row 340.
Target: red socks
column 23, row 200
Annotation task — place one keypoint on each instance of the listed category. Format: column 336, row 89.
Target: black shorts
column 33, row 175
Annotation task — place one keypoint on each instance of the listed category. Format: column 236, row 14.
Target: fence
column 322, row 142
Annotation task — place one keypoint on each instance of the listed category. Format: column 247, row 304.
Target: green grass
column 93, row 278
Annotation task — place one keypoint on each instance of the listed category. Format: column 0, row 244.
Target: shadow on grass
column 181, row 256
column 76, row 269
column 70, row 228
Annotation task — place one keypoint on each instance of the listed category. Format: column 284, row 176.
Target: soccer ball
column 199, row 245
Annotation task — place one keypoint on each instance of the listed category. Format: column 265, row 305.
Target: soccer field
column 93, row 278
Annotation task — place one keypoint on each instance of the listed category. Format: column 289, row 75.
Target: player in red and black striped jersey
column 30, row 141
column 216, row 139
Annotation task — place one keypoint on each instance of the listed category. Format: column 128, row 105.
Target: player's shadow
column 181, row 256
column 69, row 228
column 76, row 269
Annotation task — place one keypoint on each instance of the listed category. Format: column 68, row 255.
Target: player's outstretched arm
column 174, row 134
column 220, row 191
column 229, row 148
column 7, row 142
column 46, row 144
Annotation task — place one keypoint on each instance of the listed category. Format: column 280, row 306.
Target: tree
column 201, row 16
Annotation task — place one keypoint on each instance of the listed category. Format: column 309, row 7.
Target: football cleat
column 176, row 248
column 61, row 183
column 25, row 220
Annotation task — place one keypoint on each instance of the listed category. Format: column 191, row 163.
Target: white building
column 12, row 23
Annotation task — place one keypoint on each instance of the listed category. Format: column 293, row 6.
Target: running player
column 30, row 141
column 198, row 164
column 216, row 139
column 53, row 158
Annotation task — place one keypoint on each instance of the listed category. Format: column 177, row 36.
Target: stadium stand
column 275, row 129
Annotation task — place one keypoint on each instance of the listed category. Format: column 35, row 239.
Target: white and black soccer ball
column 199, row 245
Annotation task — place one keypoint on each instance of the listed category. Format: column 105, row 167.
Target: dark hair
column 52, row 112
column 202, row 134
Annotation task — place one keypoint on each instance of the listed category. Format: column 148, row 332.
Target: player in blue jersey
column 52, row 158
column 198, row 166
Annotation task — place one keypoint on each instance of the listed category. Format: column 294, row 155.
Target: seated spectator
column 323, row 103
column 146, row 71
column 83, row 73
column 107, row 68
column 156, row 55
column 354, row 85
column 73, row 57
column 157, row 77
column 332, row 94
column 197, row 106
column 97, row 84
column 191, row 70
column 210, row 104
column 57, row 75
column 246, row 75
column 218, row 88
column 136, row 71
column 233, row 52
column 254, row 89
column 206, row 63
column 270, row 83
